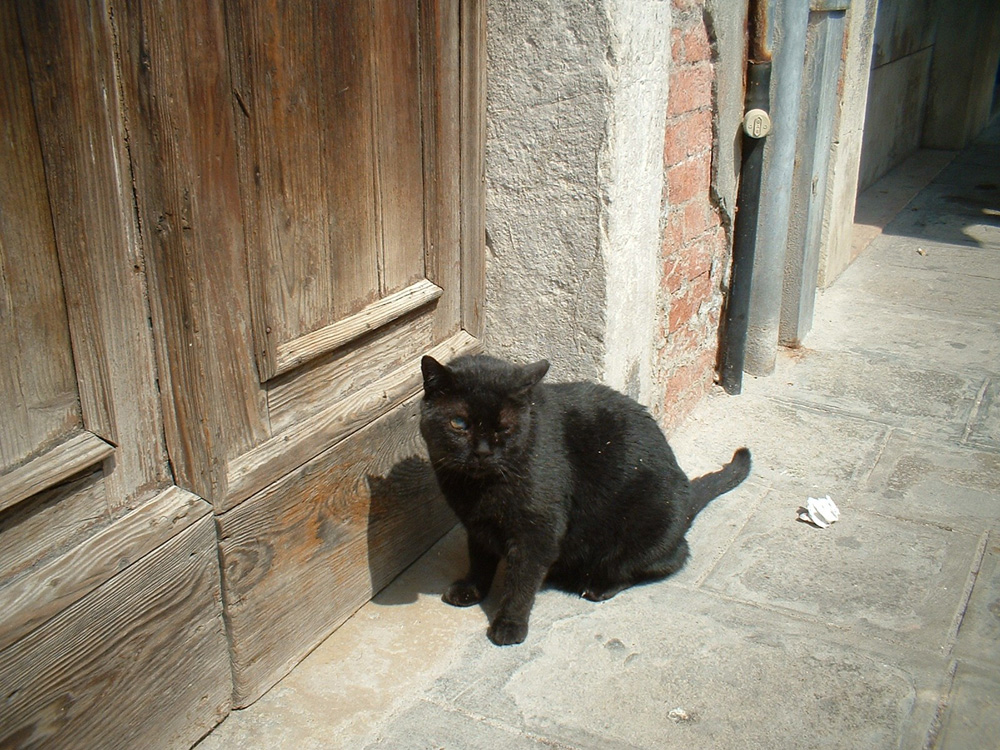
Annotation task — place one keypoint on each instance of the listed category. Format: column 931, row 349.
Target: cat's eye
column 457, row 423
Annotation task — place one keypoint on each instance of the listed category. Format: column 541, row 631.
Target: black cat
column 572, row 483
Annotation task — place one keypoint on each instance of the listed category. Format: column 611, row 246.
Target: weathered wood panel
column 302, row 75
column 176, row 87
column 398, row 143
column 440, row 110
column 37, row 529
column 69, row 457
column 300, row 557
column 372, row 317
column 473, row 23
column 71, row 60
column 272, row 459
column 38, row 398
column 297, row 397
column 46, row 589
column 139, row 662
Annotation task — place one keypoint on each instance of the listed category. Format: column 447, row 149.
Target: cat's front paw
column 504, row 632
column 462, row 594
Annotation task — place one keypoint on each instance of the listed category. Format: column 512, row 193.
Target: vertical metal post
column 757, row 100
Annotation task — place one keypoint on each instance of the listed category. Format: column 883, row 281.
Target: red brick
column 695, row 44
column 673, row 276
column 697, row 219
column 682, row 309
column 687, row 384
column 690, row 88
column 700, row 256
column 684, row 306
column 675, row 140
column 686, row 135
column 682, row 341
column 688, row 180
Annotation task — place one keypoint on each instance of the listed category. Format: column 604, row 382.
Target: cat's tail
column 706, row 488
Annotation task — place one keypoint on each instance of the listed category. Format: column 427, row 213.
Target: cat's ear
column 437, row 377
column 530, row 377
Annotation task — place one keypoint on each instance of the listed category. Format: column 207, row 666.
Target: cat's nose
column 483, row 449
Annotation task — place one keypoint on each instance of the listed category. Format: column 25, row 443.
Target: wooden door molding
column 69, row 457
column 334, row 169
column 473, row 165
column 298, row 351
column 69, row 56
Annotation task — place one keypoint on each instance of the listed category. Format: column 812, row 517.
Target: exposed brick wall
column 696, row 245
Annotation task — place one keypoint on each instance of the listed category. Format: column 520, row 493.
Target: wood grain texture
column 71, row 61
column 303, row 555
column 38, row 397
column 176, row 87
column 398, row 143
column 440, row 109
column 47, row 589
column 298, row 351
column 274, row 458
column 71, row 456
column 473, row 199
column 138, row 662
column 50, row 522
column 303, row 82
column 297, row 396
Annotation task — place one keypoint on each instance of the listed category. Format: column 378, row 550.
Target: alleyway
column 880, row 631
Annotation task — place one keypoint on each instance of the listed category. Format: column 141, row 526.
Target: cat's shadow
column 407, row 513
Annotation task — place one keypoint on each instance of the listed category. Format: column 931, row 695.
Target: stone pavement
column 880, row 631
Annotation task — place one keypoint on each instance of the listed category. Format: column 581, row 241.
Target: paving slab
column 938, row 291
column 929, row 255
column 979, row 636
column 984, row 425
column 971, row 719
column 707, row 671
column 427, row 725
column 715, row 528
column 918, row 338
column 875, row 388
column 821, row 450
column 883, row 577
column 953, row 486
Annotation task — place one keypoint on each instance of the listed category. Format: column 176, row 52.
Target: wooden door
column 235, row 228
column 309, row 185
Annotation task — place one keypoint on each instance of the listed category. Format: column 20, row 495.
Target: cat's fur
column 570, row 483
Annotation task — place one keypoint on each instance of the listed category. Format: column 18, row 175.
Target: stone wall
column 611, row 168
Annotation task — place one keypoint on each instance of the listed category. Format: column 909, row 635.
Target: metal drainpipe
column 756, row 126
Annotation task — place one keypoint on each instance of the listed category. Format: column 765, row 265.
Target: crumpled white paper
column 820, row 512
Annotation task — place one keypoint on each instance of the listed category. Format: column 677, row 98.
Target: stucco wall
column 547, row 103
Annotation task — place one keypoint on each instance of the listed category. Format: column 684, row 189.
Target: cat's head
column 476, row 413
